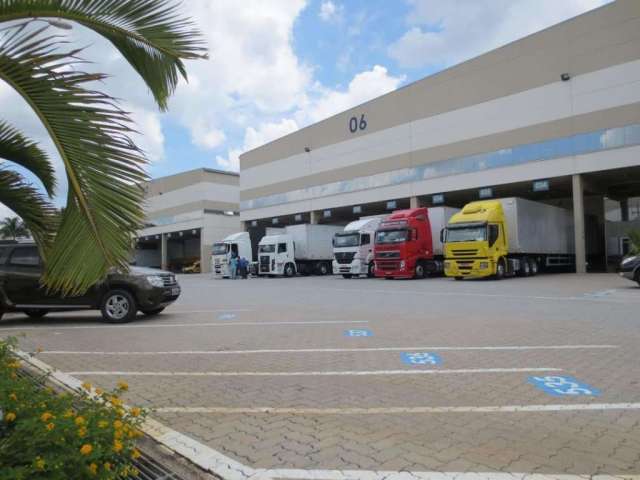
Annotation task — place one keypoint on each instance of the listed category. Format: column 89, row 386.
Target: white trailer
column 240, row 243
column 353, row 247
column 304, row 249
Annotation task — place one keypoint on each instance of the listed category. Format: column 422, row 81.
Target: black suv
column 119, row 296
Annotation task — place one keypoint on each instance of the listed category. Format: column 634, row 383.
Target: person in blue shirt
column 233, row 265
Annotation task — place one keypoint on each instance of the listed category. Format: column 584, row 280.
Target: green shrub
column 47, row 435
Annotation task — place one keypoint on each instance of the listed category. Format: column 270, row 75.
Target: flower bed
column 47, row 435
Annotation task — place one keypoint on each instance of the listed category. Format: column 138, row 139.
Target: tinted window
column 282, row 247
column 4, row 253
column 25, row 256
column 366, row 239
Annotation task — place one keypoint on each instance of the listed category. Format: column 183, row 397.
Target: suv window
column 4, row 253
column 282, row 247
column 28, row 257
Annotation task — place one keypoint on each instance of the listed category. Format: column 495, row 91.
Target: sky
column 276, row 66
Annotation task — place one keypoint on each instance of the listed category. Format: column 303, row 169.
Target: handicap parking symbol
column 420, row 358
column 226, row 316
column 560, row 386
column 358, row 333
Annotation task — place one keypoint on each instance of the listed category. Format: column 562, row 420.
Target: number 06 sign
column 563, row 386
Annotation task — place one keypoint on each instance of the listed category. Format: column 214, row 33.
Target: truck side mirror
column 442, row 235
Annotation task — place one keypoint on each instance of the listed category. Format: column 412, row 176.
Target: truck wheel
column 371, row 271
column 346, row 275
column 533, row 266
column 118, row 306
column 289, row 270
column 499, row 270
column 36, row 312
column 525, row 267
column 420, row 271
column 323, row 269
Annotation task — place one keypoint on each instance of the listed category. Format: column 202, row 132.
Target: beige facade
column 562, row 102
column 186, row 214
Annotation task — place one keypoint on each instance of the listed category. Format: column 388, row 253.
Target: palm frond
column 103, row 166
column 29, row 204
column 16, row 148
column 150, row 34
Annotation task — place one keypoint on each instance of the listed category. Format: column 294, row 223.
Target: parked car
column 630, row 268
column 119, row 296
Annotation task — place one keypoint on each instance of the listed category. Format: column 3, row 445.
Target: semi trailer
column 300, row 249
column 353, row 247
column 507, row 237
column 407, row 243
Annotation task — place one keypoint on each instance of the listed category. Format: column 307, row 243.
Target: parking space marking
column 420, row 358
column 358, row 333
column 226, row 316
column 315, row 373
column 174, row 325
column 334, row 350
column 561, row 386
column 563, row 407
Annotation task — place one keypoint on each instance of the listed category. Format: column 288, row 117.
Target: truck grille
column 391, row 254
column 387, row 265
column 465, row 266
column 168, row 280
column 464, row 253
column 344, row 257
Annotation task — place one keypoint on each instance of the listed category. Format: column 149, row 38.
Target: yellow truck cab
column 507, row 237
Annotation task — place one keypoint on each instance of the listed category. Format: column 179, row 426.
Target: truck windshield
column 267, row 248
column 391, row 236
column 220, row 248
column 467, row 234
column 346, row 240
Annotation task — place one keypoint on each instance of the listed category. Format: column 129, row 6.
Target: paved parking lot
column 318, row 377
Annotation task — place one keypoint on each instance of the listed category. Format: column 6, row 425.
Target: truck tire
column 289, row 270
column 36, row 312
column 533, row 266
column 500, row 270
column 346, row 275
column 420, row 270
column 118, row 306
column 371, row 271
column 525, row 268
column 322, row 268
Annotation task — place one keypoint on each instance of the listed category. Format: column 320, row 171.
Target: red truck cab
column 403, row 245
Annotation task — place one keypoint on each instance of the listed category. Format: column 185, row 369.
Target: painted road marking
column 358, row 333
column 420, row 358
column 173, row 325
column 561, row 386
column 316, row 373
column 600, row 293
column 564, row 407
column 226, row 316
column 332, row 350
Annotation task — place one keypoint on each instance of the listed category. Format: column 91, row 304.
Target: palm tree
column 12, row 228
column 89, row 130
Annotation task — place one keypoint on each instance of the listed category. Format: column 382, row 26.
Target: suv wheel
column 153, row 311
column 36, row 312
column 118, row 306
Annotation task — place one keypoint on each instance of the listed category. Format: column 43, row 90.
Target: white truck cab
column 353, row 247
column 276, row 255
column 240, row 243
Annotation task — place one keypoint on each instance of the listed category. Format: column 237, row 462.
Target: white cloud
column 329, row 11
column 150, row 137
column 444, row 33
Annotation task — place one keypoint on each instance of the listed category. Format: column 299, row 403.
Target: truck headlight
column 484, row 265
column 155, row 281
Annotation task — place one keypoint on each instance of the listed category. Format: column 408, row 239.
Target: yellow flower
column 82, row 432
column 120, row 412
column 117, row 446
column 13, row 397
column 118, row 424
column 46, row 416
column 135, row 411
column 79, row 421
column 107, row 466
column 135, row 453
column 103, row 424
column 115, row 401
column 50, row 426
column 15, row 364
column 93, row 469
column 86, row 449
column 117, row 434
column 86, row 386
column 99, row 391
column 40, row 463
column 10, row 417
column 123, row 386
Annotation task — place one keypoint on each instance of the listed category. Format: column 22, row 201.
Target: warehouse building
column 553, row 117
column 187, row 213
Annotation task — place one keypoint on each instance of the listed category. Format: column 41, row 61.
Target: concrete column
column 414, row 202
column 313, row 217
column 578, row 223
column 163, row 251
